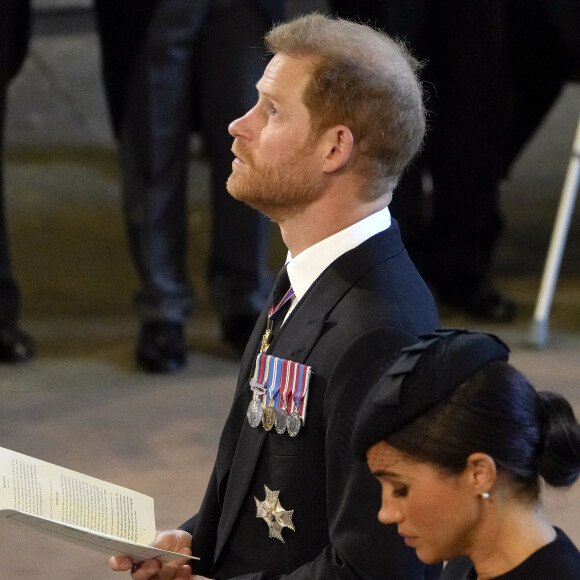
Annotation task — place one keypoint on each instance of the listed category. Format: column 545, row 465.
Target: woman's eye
column 274, row 111
column 400, row 491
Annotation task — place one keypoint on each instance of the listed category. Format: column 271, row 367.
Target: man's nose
column 241, row 127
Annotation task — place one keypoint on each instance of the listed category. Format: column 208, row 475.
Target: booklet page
column 77, row 508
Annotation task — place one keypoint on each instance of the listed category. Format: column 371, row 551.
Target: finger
column 173, row 540
column 146, row 570
column 175, row 570
column 184, row 573
column 120, row 563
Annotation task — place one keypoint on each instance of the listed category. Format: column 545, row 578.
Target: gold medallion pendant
column 274, row 514
column 269, row 417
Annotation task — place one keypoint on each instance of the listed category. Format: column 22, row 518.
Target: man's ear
column 338, row 145
column 481, row 472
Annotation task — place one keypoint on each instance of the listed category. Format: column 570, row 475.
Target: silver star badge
column 274, row 514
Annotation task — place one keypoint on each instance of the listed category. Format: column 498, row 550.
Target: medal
column 269, row 416
column 280, row 390
column 300, row 395
column 274, row 514
column 294, row 423
column 255, row 410
column 267, row 336
column 274, row 309
column 288, row 374
column 281, row 421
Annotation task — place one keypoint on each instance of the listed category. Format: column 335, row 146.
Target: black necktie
column 281, row 285
column 282, row 294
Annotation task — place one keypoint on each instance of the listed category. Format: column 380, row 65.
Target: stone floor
column 82, row 402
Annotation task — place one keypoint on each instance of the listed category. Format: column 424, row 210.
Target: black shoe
column 486, row 303
column 236, row 330
column 15, row 346
column 161, row 347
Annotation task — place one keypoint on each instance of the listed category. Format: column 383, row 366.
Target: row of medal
column 280, row 394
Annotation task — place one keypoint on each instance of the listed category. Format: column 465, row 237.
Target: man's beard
column 279, row 191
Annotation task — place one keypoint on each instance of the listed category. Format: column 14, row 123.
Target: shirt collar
column 305, row 268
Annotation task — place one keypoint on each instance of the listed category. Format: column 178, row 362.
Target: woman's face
column 436, row 513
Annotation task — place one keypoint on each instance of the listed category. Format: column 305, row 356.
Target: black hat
column 422, row 375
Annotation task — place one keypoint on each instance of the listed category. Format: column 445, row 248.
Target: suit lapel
column 295, row 341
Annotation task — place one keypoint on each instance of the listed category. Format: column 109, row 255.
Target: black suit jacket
column 335, row 500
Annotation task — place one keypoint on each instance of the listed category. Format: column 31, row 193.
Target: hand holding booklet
column 78, row 508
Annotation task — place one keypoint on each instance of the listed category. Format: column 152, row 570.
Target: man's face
column 276, row 169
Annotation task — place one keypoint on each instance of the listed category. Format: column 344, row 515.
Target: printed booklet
column 78, row 508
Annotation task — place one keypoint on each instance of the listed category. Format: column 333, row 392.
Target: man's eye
column 400, row 491
column 274, row 111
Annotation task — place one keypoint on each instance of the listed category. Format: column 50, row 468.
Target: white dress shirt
column 307, row 266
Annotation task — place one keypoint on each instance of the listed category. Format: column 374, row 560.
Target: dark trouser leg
column 15, row 345
column 232, row 63
column 538, row 61
column 9, row 295
column 468, row 141
column 14, row 32
column 154, row 139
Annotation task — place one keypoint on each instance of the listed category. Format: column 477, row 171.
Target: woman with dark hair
column 459, row 440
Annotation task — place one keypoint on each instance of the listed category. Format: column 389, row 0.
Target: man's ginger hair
column 365, row 80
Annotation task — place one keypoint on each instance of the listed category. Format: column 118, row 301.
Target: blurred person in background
column 169, row 66
column 492, row 71
column 15, row 344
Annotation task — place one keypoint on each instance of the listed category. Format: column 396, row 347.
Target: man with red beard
column 338, row 117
